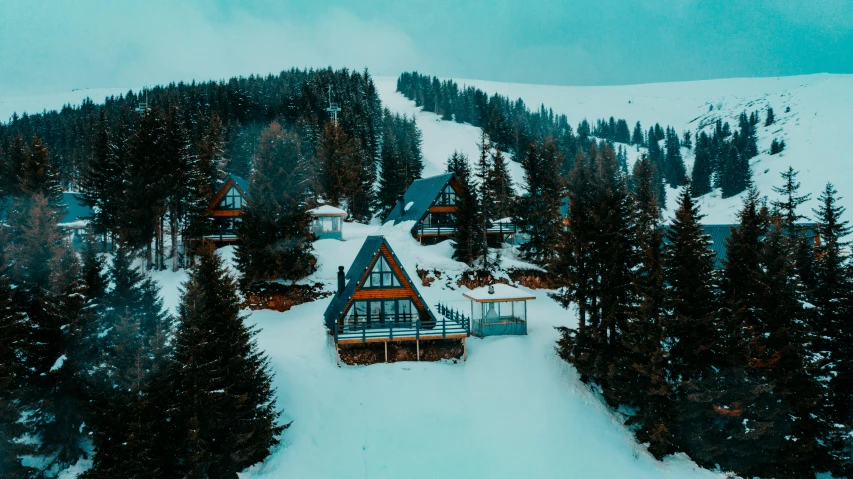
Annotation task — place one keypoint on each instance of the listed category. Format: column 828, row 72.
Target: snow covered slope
column 514, row 409
column 816, row 130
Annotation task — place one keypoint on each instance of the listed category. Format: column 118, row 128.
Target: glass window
column 357, row 313
column 382, row 276
column 233, row 200
column 447, row 197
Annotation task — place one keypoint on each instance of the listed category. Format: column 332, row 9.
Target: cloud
column 76, row 46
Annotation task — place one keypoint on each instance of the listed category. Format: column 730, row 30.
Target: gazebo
column 327, row 221
column 498, row 309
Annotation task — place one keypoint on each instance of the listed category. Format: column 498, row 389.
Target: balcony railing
column 451, row 324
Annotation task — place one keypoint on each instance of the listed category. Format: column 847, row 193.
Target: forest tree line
column 512, row 126
column 744, row 365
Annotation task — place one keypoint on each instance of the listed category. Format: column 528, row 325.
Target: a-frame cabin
column 225, row 209
column 433, row 204
column 376, row 301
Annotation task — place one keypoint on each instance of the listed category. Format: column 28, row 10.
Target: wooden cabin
column 432, row 204
column 327, row 222
column 376, row 301
column 498, row 309
column 226, row 208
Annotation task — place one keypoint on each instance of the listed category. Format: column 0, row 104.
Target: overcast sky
column 53, row 46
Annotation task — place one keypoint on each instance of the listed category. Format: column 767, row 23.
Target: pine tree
column 771, row 118
column 674, row 169
column 637, row 136
column 182, row 181
column 220, row 383
column 275, row 240
column 103, row 180
column 703, row 166
column 538, row 213
column 146, row 191
column 500, row 186
column 38, row 175
column 14, row 331
column 687, row 140
column 641, row 370
column 337, row 158
column 390, row 178
column 468, row 238
column 833, row 322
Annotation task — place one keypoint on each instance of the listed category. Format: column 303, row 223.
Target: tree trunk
column 173, row 222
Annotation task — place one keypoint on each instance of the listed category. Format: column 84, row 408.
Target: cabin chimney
column 491, row 289
column 341, row 280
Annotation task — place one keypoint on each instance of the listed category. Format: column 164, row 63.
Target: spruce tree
column 637, row 136
column 500, row 186
column 220, row 383
column 641, row 379
column 468, row 241
column 275, row 239
column 674, row 170
column 103, row 181
column 538, row 212
column 771, row 118
column 14, row 330
column 38, row 175
column 833, row 321
column 337, row 158
column 702, row 166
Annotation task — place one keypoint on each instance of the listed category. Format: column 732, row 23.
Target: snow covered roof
column 418, row 198
column 327, row 210
column 502, row 292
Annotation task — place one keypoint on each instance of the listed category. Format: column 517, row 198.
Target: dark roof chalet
column 419, row 197
column 719, row 234
column 356, row 274
column 74, row 209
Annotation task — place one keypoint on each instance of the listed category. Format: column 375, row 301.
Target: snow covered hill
column 816, row 130
column 514, row 409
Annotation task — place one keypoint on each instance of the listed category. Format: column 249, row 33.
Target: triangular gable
column 231, row 181
column 374, row 248
column 419, row 197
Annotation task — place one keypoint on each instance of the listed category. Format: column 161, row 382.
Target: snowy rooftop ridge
column 500, row 292
column 327, row 210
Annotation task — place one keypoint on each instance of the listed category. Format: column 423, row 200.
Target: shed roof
column 418, row 198
column 327, row 210
column 502, row 292
column 369, row 250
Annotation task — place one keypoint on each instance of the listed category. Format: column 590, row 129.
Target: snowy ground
column 514, row 409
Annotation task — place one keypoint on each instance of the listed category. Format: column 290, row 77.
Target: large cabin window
column 381, row 313
column 233, row 200
column 443, row 220
column 382, row 276
column 447, row 197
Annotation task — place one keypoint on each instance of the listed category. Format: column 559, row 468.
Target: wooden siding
column 443, row 209
column 404, row 292
column 226, row 213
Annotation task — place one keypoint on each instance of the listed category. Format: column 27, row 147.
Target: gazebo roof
column 327, row 210
column 502, row 293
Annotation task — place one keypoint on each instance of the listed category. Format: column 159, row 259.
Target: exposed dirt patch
column 431, row 350
column 282, row 297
